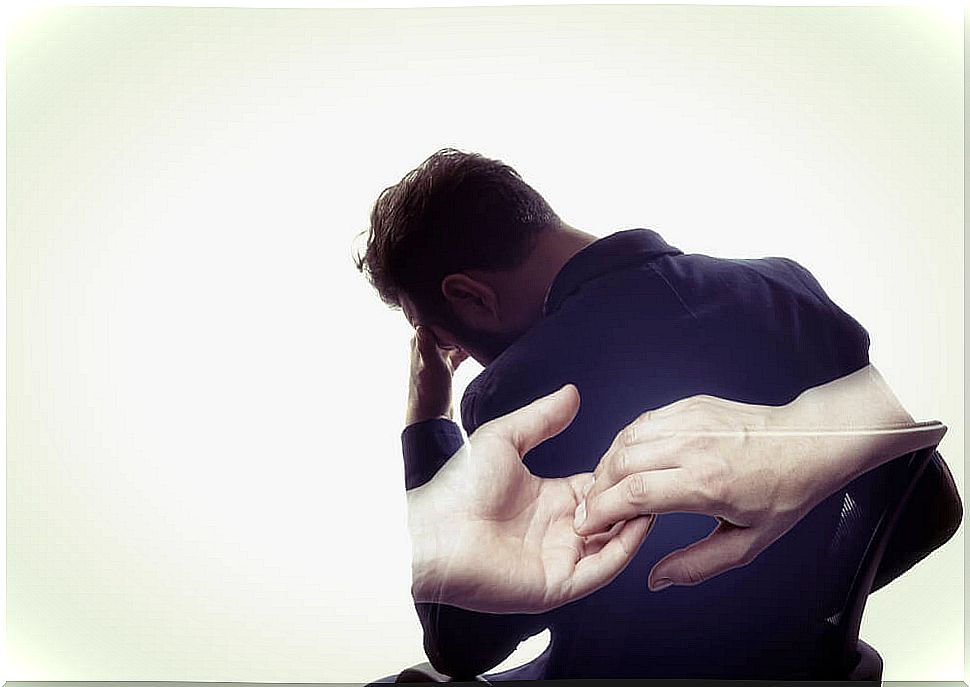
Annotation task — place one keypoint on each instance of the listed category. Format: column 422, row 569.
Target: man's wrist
column 419, row 409
column 860, row 399
column 838, row 419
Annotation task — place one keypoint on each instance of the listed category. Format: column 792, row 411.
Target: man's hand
column 702, row 455
column 489, row 536
column 432, row 367
column 757, row 469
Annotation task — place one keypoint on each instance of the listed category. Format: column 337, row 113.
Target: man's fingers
column 726, row 548
column 657, row 491
column 427, row 343
column 595, row 542
column 630, row 454
column 542, row 419
column 456, row 357
column 599, row 569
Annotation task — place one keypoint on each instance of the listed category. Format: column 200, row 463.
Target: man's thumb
column 726, row 548
column 542, row 419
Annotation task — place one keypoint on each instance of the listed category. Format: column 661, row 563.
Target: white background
column 205, row 397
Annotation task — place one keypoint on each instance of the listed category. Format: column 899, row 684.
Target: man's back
column 636, row 324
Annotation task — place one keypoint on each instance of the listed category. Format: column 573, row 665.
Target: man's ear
column 474, row 302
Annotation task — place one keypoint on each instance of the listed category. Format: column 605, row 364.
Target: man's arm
column 759, row 469
column 934, row 510
column 459, row 643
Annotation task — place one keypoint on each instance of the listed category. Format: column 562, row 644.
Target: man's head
column 453, row 244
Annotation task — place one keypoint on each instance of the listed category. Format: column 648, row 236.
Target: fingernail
column 660, row 584
column 580, row 515
column 588, row 485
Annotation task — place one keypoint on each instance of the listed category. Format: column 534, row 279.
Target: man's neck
column 523, row 290
column 553, row 250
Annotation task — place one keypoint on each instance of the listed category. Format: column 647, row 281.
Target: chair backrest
column 871, row 506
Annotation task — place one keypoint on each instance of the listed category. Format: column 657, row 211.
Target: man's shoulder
column 762, row 289
column 680, row 311
column 514, row 378
column 732, row 277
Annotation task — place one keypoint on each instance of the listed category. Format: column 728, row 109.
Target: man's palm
column 515, row 549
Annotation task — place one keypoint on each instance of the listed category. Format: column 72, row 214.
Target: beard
column 482, row 345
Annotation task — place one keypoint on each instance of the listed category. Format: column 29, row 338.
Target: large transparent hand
column 489, row 536
column 757, row 469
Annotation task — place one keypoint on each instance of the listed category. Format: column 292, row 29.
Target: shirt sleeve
column 427, row 446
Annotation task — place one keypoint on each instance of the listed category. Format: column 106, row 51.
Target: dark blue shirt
column 636, row 324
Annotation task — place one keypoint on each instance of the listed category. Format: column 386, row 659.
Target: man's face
column 445, row 338
column 481, row 346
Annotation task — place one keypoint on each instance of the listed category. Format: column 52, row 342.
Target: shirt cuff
column 427, row 446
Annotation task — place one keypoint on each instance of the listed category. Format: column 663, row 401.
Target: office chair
column 871, row 506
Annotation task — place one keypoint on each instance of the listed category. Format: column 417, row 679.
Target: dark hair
column 456, row 211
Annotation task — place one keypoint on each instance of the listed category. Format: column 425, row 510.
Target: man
column 467, row 249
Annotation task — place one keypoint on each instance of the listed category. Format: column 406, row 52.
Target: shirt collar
column 614, row 252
